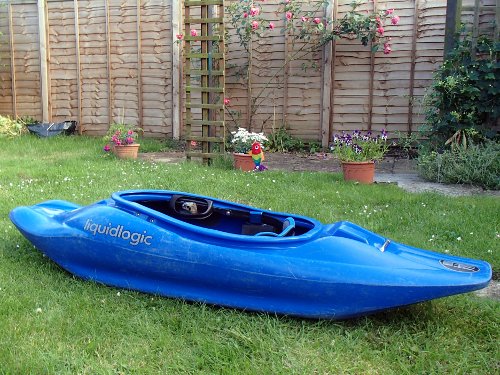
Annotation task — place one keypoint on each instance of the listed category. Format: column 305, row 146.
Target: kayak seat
column 288, row 229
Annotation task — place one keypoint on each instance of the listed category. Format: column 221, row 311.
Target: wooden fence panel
column 157, row 71
column 95, row 80
column 63, row 64
column 22, row 60
column 7, row 99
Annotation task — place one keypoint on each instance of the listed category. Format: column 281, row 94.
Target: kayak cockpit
column 217, row 215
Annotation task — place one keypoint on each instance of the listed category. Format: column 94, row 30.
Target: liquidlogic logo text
column 134, row 238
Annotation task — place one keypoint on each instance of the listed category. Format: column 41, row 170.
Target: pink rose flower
column 289, row 15
column 387, row 48
column 107, row 148
column 245, row 15
column 254, row 11
column 304, row 19
column 395, row 20
column 389, row 11
column 317, row 20
column 380, row 30
column 194, row 32
column 179, row 36
column 227, row 101
column 255, row 25
column 271, row 25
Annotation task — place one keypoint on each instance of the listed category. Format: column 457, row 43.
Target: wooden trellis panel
column 204, row 78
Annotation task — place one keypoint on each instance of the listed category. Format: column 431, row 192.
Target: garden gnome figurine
column 257, row 156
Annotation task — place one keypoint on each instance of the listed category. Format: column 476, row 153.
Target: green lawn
column 51, row 322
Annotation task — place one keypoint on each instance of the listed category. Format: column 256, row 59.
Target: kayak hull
column 333, row 271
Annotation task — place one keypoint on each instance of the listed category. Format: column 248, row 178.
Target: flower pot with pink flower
column 121, row 139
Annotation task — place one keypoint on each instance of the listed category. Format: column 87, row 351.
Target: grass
column 52, row 322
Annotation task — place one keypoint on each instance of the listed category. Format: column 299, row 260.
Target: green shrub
column 280, row 140
column 465, row 93
column 478, row 164
column 10, row 127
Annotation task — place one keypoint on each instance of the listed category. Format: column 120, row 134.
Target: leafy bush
column 10, row 127
column 465, row 93
column 280, row 140
column 478, row 164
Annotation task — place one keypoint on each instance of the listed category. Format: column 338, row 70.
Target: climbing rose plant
column 313, row 31
column 247, row 19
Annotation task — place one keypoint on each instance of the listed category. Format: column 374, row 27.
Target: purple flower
column 384, row 134
column 356, row 148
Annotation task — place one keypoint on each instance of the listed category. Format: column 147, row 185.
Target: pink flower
column 317, row 20
column 377, row 19
column 194, row 143
column 245, row 15
column 129, row 140
column 387, row 48
column 389, row 11
column 254, row 11
column 395, row 20
column 255, row 25
column 304, row 19
column 107, row 148
column 194, row 32
column 179, row 36
column 271, row 25
column 289, row 15
column 227, row 101
column 380, row 30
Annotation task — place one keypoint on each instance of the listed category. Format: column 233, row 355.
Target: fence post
column 176, row 71
column 12, row 61
column 78, row 66
column 453, row 15
column 327, row 83
column 44, row 60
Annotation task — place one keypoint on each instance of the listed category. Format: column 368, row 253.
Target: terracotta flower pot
column 363, row 171
column 126, row 151
column 243, row 162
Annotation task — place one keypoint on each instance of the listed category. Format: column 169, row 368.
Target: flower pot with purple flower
column 358, row 152
column 121, row 140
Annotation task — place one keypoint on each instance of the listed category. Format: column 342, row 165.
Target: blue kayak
column 203, row 249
